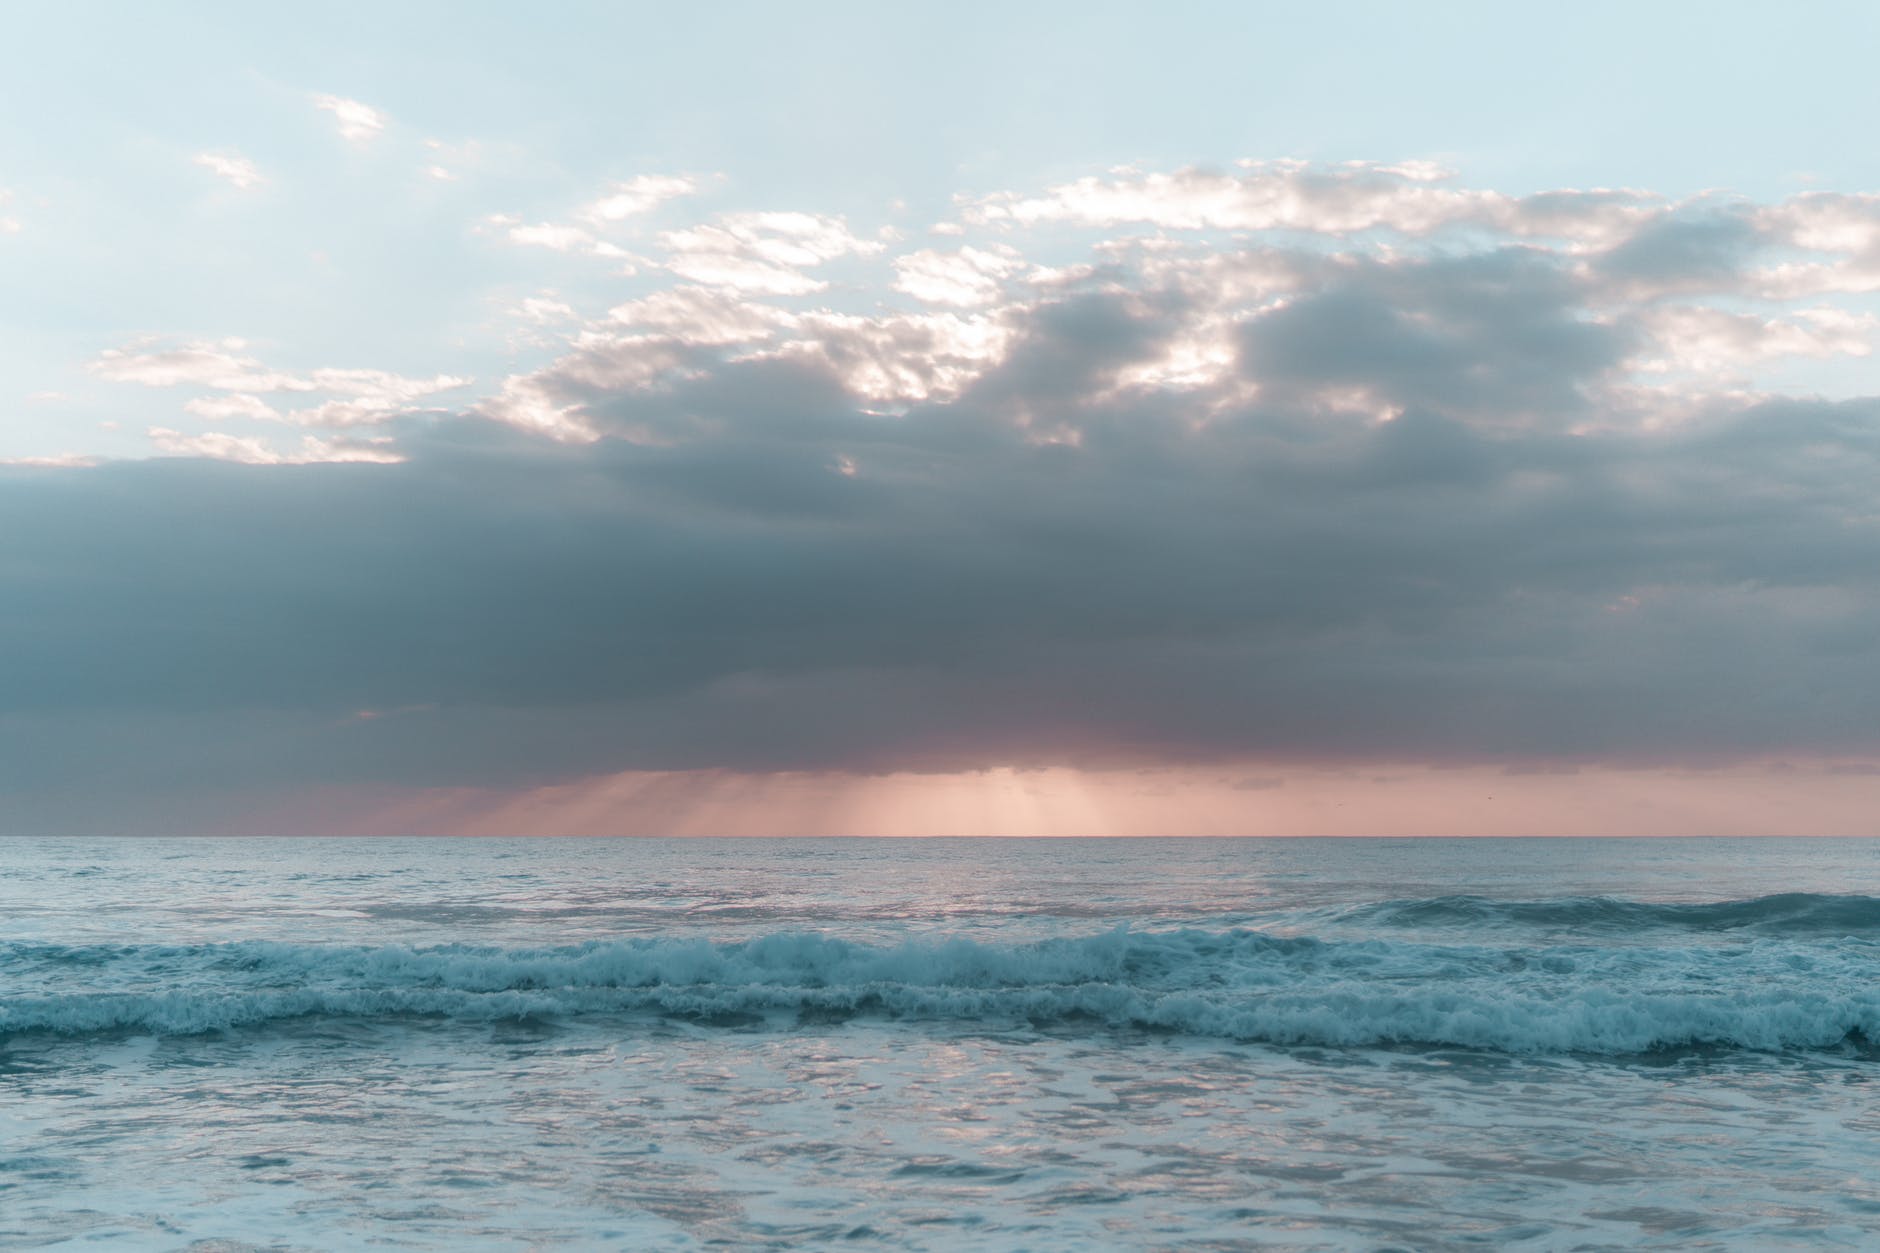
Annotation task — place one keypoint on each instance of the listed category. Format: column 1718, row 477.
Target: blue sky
column 456, row 410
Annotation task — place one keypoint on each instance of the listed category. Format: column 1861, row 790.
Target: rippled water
column 940, row 1044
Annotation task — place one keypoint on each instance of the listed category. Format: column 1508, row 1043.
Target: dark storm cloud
column 1415, row 520
column 1495, row 337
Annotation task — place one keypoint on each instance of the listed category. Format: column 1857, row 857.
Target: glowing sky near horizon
column 1231, row 420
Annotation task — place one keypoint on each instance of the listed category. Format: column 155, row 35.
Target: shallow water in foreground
column 1356, row 1044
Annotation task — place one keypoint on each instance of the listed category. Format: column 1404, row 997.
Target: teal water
column 1315, row 1044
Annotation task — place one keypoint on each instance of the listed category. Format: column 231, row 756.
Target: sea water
column 1063, row 1044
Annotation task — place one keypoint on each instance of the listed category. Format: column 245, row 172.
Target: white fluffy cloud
column 235, row 382
column 1264, row 196
column 1842, row 232
column 1414, row 198
column 221, row 364
column 233, row 168
column 220, row 408
column 596, row 227
column 359, row 124
column 1718, row 342
column 706, row 316
column 637, row 196
column 545, row 309
column 765, row 253
column 555, row 236
column 970, row 276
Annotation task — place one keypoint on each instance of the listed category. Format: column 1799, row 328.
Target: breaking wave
column 1787, row 913
column 1242, row 985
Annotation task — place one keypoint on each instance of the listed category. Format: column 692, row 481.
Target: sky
column 1091, row 419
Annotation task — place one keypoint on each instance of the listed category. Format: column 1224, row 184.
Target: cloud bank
column 1279, row 463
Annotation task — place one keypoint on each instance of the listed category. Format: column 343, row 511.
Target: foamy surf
column 1239, row 984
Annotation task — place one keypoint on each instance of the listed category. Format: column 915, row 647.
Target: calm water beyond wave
column 641, row 1044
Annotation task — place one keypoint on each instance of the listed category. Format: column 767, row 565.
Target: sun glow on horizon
column 1248, row 800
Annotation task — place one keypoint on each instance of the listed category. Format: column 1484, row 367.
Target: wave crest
column 1786, row 913
column 1239, row 985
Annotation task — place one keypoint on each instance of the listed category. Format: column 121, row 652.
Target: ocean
column 973, row 1044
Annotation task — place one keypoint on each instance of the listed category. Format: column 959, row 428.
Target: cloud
column 1413, row 197
column 971, row 276
column 238, row 171
column 1681, row 254
column 1347, row 489
column 617, row 207
column 247, row 450
column 1719, row 342
column 549, row 235
column 1824, row 223
column 555, row 236
column 964, row 597
column 218, row 364
column 901, row 358
column 637, row 196
column 238, row 405
column 359, row 124
column 60, row 461
column 449, row 162
column 236, row 381
column 546, row 309
column 762, row 253
column 702, row 316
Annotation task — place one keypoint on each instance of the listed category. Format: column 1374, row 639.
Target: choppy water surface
column 1353, row 1044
